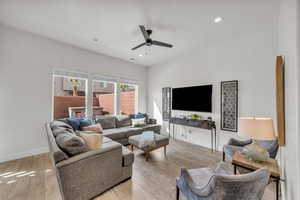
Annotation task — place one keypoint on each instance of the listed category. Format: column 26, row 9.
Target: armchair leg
column 223, row 156
column 177, row 193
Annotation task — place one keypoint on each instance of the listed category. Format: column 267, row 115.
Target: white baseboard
column 24, row 154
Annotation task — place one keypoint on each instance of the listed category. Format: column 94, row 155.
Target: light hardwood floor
column 33, row 178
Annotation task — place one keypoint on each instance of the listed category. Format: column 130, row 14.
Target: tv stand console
column 198, row 123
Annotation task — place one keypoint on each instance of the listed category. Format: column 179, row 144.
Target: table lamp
column 256, row 129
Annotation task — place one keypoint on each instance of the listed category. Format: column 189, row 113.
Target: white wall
column 288, row 41
column 26, row 62
column 248, row 58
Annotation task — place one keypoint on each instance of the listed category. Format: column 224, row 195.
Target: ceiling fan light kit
column 149, row 41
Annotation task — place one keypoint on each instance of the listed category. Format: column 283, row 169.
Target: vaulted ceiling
column 187, row 24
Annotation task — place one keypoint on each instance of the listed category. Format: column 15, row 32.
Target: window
column 104, row 98
column 69, row 95
column 82, row 94
column 128, row 98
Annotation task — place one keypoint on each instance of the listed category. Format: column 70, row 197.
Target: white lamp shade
column 257, row 128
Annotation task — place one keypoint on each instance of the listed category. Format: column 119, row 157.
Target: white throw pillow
column 138, row 122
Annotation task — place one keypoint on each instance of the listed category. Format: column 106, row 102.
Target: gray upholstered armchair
column 235, row 145
column 219, row 184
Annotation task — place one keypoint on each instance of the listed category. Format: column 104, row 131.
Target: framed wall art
column 229, row 106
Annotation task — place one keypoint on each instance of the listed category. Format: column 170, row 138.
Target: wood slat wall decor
column 280, row 110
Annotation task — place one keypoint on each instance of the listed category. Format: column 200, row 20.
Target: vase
column 75, row 91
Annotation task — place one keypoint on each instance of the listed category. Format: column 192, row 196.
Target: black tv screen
column 196, row 98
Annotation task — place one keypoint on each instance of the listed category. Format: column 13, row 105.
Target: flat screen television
column 196, row 98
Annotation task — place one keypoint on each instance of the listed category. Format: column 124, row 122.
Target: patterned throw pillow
column 92, row 140
column 94, row 128
column 138, row 122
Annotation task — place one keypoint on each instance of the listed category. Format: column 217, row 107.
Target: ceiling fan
column 149, row 41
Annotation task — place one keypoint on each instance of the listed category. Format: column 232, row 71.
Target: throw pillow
column 92, row 140
column 71, row 144
column 95, row 128
column 85, row 122
column 74, row 122
column 55, row 124
column 122, row 121
column 106, row 121
column 138, row 122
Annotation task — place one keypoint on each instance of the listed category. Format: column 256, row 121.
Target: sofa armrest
column 89, row 154
column 240, row 143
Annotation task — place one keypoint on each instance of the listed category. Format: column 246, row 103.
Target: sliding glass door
column 104, row 98
column 69, row 96
column 128, row 98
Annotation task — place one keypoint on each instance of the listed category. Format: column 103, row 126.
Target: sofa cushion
column 107, row 121
column 55, row 124
column 122, row 121
column 71, row 144
column 59, row 130
column 127, row 156
column 152, row 127
column 116, row 133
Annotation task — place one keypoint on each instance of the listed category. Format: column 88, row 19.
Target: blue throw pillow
column 84, row 122
column 74, row 122
column 138, row 116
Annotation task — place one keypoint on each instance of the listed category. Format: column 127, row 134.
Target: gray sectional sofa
column 83, row 174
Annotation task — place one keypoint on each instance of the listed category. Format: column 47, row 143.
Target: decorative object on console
column 256, row 129
column 229, row 105
column 280, row 100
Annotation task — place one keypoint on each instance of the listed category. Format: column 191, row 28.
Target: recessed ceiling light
column 140, row 55
column 218, row 19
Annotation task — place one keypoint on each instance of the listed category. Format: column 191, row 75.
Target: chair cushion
column 106, row 121
column 271, row 146
column 201, row 176
column 128, row 156
column 71, row 144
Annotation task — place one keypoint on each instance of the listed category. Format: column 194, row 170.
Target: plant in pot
column 76, row 84
column 196, row 116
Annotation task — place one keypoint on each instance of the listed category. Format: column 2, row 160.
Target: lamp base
column 256, row 152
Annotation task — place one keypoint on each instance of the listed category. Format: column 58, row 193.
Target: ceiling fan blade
column 145, row 34
column 158, row 43
column 138, row 46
